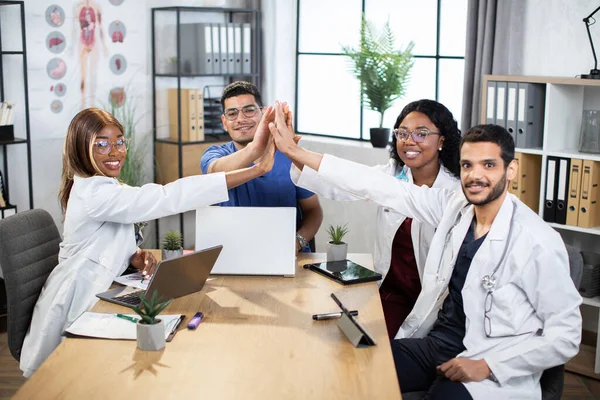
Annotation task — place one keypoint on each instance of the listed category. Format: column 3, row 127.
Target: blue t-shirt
column 274, row 189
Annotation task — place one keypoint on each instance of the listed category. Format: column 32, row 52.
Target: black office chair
column 553, row 379
column 29, row 244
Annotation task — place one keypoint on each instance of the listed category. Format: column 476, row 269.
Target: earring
column 440, row 149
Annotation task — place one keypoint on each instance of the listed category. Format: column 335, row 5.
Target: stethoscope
column 488, row 281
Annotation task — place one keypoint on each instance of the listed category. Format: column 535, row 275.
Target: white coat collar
column 501, row 224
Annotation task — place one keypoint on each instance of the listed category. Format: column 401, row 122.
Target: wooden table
column 257, row 341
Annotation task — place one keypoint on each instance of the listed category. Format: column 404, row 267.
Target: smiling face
column 483, row 174
column 109, row 164
column 242, row 128
column 418, row 155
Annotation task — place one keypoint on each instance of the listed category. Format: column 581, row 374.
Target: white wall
column 48, row 129
column 556, row 41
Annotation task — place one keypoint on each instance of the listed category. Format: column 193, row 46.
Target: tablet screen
column 346, row 270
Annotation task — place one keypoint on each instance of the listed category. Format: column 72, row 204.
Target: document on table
column 109, row 326
column 133, row 280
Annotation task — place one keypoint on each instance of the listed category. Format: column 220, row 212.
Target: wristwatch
column 303, row 242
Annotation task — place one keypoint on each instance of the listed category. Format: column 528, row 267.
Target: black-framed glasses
column 249, row 111
column 487, row 322
column 104, row 146
column 418, row 135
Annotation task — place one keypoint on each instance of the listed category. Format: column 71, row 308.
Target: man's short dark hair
column 494, row 134
column 239, row 88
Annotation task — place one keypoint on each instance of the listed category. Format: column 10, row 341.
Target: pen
column 174, row 330
column 319, row 317
column 134, row 320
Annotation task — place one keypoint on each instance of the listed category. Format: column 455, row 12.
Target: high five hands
column 282, row 130
column 264, row 144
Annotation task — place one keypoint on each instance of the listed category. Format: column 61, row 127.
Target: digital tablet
column 345, row 272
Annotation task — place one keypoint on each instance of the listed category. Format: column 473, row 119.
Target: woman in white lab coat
column 424, row 152
column 99, row 215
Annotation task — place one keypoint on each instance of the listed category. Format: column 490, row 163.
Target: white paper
column 133, row 280
column 109, row 326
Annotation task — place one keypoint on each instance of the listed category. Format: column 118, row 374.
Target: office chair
column 28, row 253
column 553, row 379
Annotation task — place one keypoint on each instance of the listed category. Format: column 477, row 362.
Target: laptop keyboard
column 132, row 298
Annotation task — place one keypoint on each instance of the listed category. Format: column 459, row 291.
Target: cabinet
column 196, row 52
column 13, row 87
column 565, row 100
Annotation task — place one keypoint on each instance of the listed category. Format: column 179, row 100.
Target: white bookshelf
column 566, row 98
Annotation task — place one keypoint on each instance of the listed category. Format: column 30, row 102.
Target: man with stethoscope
column 511, row 309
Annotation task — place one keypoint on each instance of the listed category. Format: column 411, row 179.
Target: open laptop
column 256, row 240
column 173, row 278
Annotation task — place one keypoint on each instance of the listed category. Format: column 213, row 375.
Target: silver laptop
column 173, row 278
column 256, row 240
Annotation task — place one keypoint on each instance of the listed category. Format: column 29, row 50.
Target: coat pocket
column 506, row 311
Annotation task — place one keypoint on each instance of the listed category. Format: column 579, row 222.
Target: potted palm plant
column 382, row 71
column 172, row 244
column 150, row 330
column 337, row 250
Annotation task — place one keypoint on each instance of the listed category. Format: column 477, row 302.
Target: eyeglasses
column 104, row 146
column 249, row 111
column 418, row 135
column 487, row 322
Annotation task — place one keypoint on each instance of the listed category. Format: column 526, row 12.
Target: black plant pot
column 380, row 137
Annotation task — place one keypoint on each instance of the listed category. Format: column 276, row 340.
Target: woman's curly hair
column 443, row 119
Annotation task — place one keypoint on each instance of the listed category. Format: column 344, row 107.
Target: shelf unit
column 7, row 59
column 15, row 7
column 177, row 158
column 566, row 98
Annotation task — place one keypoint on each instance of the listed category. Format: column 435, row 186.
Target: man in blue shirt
column 245, row 122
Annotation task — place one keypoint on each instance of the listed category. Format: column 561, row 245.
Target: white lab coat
column 534, row 290
column 98, row 242
column 388, row 221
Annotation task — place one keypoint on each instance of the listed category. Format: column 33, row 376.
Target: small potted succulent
column 150, row 330
column 337, row 250
column 172, row 244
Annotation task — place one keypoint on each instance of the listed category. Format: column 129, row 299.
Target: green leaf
column 382, row 70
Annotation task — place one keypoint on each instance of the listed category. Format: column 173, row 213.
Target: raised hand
column 262, row 134
column 267, row 159
column 282, row 130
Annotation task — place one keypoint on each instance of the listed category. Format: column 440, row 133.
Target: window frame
column 437, row 57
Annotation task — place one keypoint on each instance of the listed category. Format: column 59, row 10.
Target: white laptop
column 255, row 240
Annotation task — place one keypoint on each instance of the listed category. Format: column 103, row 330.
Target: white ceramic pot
column 151, row 337
column 337, row 252
column 167, row 254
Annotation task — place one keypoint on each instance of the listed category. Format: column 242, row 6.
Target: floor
column 577, row 387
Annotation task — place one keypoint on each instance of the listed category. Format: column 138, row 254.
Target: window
column 328, row 95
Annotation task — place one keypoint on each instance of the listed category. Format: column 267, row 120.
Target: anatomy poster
column 91, row 50
column 80, row 53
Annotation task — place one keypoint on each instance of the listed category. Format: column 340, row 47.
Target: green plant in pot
column 172, row 244
column 150, row 330
column 337, row 249
column 383, row 72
